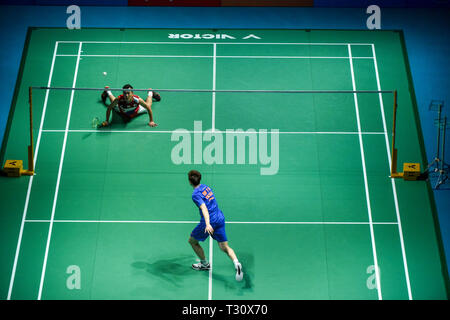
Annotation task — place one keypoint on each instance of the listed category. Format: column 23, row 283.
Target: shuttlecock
column 105, row 73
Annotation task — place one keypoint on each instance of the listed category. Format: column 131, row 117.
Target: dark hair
column 127, row 86
column 194, row 177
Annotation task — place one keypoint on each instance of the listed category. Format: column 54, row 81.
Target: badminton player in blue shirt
column 212, row 223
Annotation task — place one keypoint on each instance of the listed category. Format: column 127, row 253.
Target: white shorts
column 132, row 112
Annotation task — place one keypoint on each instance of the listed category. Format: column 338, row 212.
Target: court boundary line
column 221, row 43
column 394, row 188
column 219, row 91
column 210, row 268
column 366, row 183
column 213, row 128
column 213, row 121
column 30, row 182
column 228, row 222
column 245, row 132
column 58, row 180
column 204, row 56
column 67, row 131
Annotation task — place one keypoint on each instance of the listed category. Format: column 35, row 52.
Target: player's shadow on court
column 175, row 270
column 172, row 270
column 116, row 119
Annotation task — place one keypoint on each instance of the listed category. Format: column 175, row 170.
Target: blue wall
column 425, row 30
column 317, row 3
column 66, row 2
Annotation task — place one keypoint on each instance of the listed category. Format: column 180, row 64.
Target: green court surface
column 311, row 210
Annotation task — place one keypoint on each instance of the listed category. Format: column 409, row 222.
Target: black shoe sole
column 156, row 96
column 104, row 96
column 201, row 269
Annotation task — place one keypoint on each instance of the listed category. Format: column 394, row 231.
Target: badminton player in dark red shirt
column 129, row 105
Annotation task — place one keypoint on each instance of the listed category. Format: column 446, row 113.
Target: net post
column 394, row 173
column 30, row 170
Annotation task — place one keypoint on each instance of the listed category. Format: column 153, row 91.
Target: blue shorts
column 219, row 234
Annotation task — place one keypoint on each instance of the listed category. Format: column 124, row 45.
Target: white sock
column 109, row 92
column 150, row 93
column 236, row 262
column 204, row 262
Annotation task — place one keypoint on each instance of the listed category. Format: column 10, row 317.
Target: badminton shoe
column 239, row 273
column 156, row 96
column 105, row 95
column 201, row 266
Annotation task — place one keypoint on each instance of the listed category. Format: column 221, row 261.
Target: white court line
column 288, row 57
column 109, row 221
column 228, row 222
column 213, row 121
column 366, row 184
column 131, row 56
column 210, row 268
column 222, row 43
column 44, row 266
column 206, row 131
column 394, row 190
column 30, row 183
column 221, row 57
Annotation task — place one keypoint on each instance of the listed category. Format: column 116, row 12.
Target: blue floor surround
column 425, row 32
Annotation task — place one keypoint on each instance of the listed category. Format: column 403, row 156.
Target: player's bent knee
column 192, row 241
column 223, row 246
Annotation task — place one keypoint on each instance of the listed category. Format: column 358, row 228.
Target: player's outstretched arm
column 205, row 213
column 108, row 112
column 148, row 105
